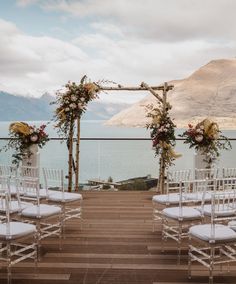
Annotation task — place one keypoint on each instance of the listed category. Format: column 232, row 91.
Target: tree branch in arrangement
column 152, row 91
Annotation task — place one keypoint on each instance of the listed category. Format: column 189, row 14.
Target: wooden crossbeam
column 140, row 88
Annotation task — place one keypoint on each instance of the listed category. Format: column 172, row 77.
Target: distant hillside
column 210, row 91
column 14, row 107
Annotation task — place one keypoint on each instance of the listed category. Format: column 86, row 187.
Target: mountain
column 14, row 107
column 208, row 92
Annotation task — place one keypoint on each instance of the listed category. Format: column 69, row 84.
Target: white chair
column 71, row 203
column 214, row 243
column 7, row 171
column 172, row 197
column 211, row 173
column 229, row 172
column 47, row 218
column 177, row 220
column 27, row 173
column 17, row 239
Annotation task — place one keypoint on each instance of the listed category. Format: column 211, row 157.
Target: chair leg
column 60, row 232
column 36, row 257
column 38, row 228
column 9, row 276
column 189, row 261
column 179, row 242
column 212, row 256
column 63, row 221
column 162, row 236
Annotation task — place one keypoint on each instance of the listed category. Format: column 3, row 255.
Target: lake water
column 118, row 159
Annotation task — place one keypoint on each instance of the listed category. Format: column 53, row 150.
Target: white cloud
column 24, row 3
column 168, row 20
column 128, row 42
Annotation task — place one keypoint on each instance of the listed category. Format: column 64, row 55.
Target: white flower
column 199, row 138
column 73, row 98
column 80, row 106
column 82, row 99
column 67, row 109
column 198, row 130
column 73, row 105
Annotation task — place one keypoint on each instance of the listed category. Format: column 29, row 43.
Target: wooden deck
column 115, row 246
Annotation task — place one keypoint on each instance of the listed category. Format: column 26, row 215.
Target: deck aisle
column 115, row 246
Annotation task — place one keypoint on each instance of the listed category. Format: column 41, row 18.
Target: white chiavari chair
column 17, row 239
column 47, row 218
column 171, row 198
column 211, row 173
column 7, row 171
column 70, row 202
column 214, row 243
column 229, row 172
column 177, row 220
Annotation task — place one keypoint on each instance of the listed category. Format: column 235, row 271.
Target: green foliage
column 110, row 179
column 162, row 133
column 135, row 185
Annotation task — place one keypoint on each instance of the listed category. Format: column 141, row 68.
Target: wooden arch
column 143, row 87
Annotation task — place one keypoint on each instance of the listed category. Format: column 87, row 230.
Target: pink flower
column 34, row 138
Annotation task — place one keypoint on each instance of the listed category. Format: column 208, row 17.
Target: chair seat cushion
column 222, row 233
column 17, row 230
column 14, row 206
column 42, row 193
column 187, row 213
column 232, row 225
column 198, row 196
column 220, row 211
column 41, row 211
column 171, row 198
column 64, row 197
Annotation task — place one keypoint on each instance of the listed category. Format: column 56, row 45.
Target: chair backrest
column 212, row 173
column 5, row 201
column 228, row 184
column 190, row 191
column 8, row 171
column 31, row 189
column 26, row 172
column 53, row 178
column 174, row 178
column 229, row 172
column 222, row 202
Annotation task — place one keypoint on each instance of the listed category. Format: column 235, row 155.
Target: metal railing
column 118, row 157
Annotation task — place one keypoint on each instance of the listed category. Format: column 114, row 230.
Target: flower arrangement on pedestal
column 163, row 134
column 206, row 138
column 22, row 137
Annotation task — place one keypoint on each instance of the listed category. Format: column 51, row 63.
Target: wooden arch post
column 163, row 100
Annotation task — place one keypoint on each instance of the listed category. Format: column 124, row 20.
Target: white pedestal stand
column 34, row 159
column 199, row 162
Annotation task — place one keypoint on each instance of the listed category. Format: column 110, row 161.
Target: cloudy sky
column 45, row 43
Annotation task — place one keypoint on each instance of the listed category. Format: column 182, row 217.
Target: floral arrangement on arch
column 22, row 136
column 72, row 103
column 206, row 138
column 162, row 133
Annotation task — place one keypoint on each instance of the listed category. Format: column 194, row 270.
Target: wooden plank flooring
column 115, row 246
